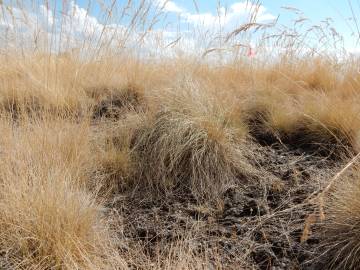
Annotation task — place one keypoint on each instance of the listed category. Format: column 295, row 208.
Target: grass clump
column 49, row 218
column 41, row 84
column 53, row 226
column 190, row 145
column 317, row 122
column 113, row 164
column 340, row 238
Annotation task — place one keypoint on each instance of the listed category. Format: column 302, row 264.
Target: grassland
column 124, row 162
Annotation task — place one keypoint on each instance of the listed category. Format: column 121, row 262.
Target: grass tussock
column 340, row 230
column 190, row 144
column 36, row 83
column 48, row 217
column 317, row 121
column 114, row 164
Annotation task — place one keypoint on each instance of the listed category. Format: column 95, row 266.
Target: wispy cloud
column 41, row 27
column 169, row 6
column 74, row 25
column 238, row 13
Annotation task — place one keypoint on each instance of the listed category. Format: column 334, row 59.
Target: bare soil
column 257, row 226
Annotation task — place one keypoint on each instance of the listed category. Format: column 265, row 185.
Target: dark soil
column 260, row 224
column 117, row 102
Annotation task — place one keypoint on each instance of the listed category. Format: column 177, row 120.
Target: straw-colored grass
column 49, row 218
column 340, row 234
column 85, row 127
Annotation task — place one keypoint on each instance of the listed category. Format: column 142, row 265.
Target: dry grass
column 49, row 219
column 340, row 231
column 191, row 143
column 157, row 136
column 86, row 130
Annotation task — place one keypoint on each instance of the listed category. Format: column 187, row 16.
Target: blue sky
column 184, row 14
column 315, row 10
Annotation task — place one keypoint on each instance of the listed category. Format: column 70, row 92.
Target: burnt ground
column 255, row 227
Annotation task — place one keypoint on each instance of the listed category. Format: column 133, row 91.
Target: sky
column 181, row 15
column 315, row 10
column 203, row 13
column 342, row 12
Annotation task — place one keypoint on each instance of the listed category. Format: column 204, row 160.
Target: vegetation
column 117, row 158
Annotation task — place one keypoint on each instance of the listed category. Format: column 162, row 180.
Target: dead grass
column 84, row 129
column 49, row 219
column 191, row 144
column 142, row 134
column 340, row 231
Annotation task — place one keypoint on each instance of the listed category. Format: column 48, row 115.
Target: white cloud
column 71, row 28
column 238, row 13
column 169, row 6
column 353, row 50
column 205, row 19
column 46, row 13
column 78, row 22
column 64, row 30
column 246, row 9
